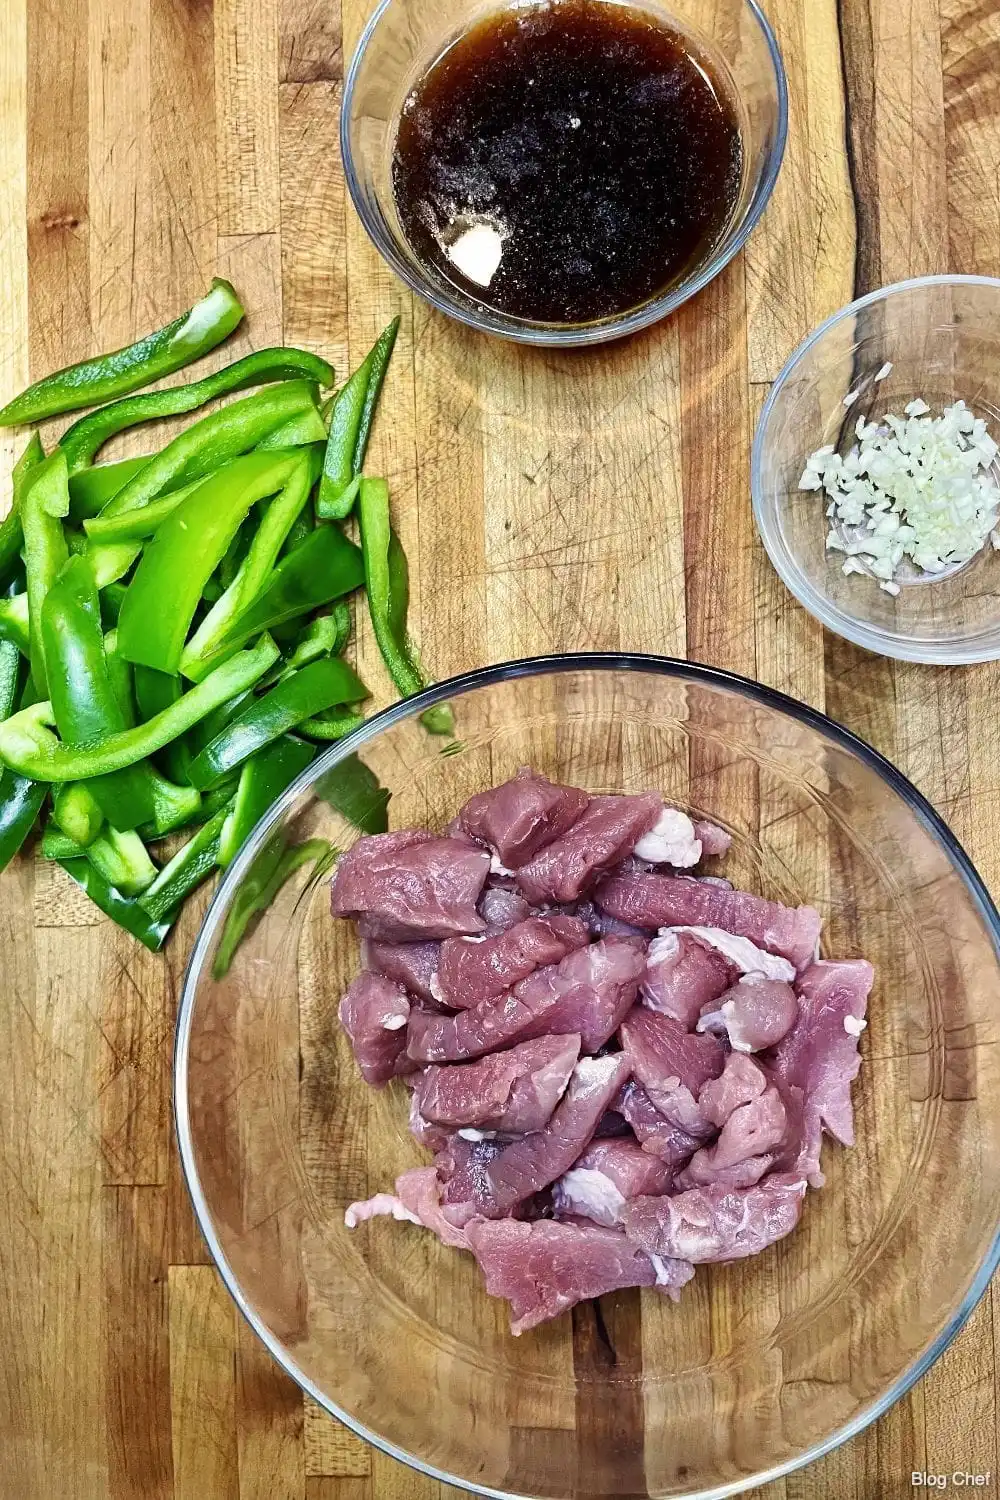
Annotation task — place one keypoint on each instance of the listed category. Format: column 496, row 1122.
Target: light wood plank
column 246, row 72
column 331, row 1448
column 269, row 1424
column 313, row 221
column 202, row 1386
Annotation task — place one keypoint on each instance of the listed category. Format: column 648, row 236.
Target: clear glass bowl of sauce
column 562, row 171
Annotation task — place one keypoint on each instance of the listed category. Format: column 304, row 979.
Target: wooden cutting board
column 547, row 502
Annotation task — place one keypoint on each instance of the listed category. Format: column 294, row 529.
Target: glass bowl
column 765, row 1363
column 404, row 37
column 941, row 337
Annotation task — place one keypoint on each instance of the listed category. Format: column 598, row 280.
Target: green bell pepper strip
column 29, row 747
column 136, row 525
column 14, row 623
column 387, row 583
column 187, row 548
column 77, row 813
column 45, row 503
column 262, row 780
column 190, row 866
column 155, row 691
column 300, row 431
column 20, row 803
column 83, row 440
column 314, row 688
column 11, row 532
column 112, row 598
column 58, row 845
column 215, row 440
column 353, row 790
column 110, row 561
column 331, row 726
column 322, row 568
column 271, row 870
column 92, row 381
column 351, row 419
column 327, row 635
column 255, row 569
column 11, row 675
column 214, row 723
column 119, row 858
column 91, row 489
column 128, row 914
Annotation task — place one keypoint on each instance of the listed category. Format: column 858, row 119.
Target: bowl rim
column 869, row 637
column 407, row 708
column 545, row 335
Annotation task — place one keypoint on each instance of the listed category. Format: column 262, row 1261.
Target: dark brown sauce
column 587, row 136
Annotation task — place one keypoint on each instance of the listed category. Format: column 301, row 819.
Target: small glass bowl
column 765, row 1363
column 404, row 37
column 941, row 337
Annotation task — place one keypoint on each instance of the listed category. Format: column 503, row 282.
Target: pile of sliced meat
column 622, row 1071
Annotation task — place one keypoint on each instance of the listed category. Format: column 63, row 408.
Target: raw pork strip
column 820, row 1054
column 604, row 835
column 740, row 1081
column 544, row 1268
column 461, row 1169
column 659, row 1136
column 678, row 900
column 410, row 886
column 472, row 970
column 714, row 840
column 746, row 1148
column 607, row 1176
column 413, row 965
column 743, row 955
column 501, row 908
column 417, row 1199
column 521, row 816
column 514, row 1092
column 374, row 1013
column 588, row 992
column 533, row 1162
column 754, row 1014
column 663, row 1054
column 601, row 926
column 716, row 1223
column 682, row 977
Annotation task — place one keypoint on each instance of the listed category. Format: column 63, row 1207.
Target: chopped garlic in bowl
column 915, row 490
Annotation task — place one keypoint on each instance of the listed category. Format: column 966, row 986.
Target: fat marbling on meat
column 608, row 1175
column 374, row 1013
column 683, row 976
column 716, row 1223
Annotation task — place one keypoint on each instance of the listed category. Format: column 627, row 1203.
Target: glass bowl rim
column 544, row 335
column 848, row 627
column 409, row 708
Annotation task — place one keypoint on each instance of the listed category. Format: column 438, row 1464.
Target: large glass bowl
column 937, row 338
column 404, row 37
column 764, row 1364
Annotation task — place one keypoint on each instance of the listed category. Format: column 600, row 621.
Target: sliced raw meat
column 740, row 1081
column 678, row 900
column 672, row 840
column 413, row 965
column 655, row 1132
column 502, row 908
column 513, row 1092
column 417, row 1200
column 753, row 1132
column 605, row 833
column 544, row 1268
column 410, row 886
column 716, row 1223
column 739, row 952
column 714, row 840
column 820, row 1054
column 607, row 1176
column 432, row 1136
column 754, row 1014
column 663, row 1054
column 587, row 993
column 521, row 816
column 461, row 1169
column 374, row 1013
column 472, row 970
column 682, row 977
column 601, row 926
column 532, row 1163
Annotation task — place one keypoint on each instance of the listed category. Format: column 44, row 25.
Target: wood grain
column 546, row 502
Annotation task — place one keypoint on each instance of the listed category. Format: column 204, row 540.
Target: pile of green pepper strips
column 178, row 619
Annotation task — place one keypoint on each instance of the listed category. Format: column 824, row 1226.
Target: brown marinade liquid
column 603, row 149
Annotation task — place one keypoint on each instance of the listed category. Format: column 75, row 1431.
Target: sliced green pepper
column 77, row 813
column 300, row 431
column 308, row 692
column 255, row 569
column 354, row 790
column 11, row 533
column 91, row 489
column 20, row 803
column 351, row 420
column 217, row 439
column 29, row 747
column 45, row 503
column 136, row 525
column 186, row 871
column 322, row 568
column 187, row 548
column 271, row 870
column 263, row 779
column 155, row 691
column 109, row 375
column 112, row 598
column 332, row 726
column 151, row 931
column 81, row 441
column 11, row 674
column 327, row 635
column 110, row 561
column 119, row 858
column 15, row 623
